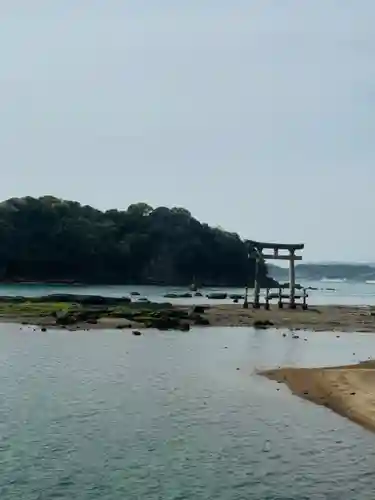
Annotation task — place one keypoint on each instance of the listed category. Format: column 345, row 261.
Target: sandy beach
column 347, row 390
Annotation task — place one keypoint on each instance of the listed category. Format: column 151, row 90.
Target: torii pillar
column 292, row 279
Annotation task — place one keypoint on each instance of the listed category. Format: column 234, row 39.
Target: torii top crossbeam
column 276, row 246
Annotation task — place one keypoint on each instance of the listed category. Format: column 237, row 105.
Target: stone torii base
column 280, row 251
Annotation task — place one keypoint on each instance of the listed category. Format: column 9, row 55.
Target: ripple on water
column 173, row 419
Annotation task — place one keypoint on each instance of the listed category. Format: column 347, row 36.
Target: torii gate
column 256, row 250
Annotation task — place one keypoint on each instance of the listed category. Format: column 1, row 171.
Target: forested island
column 52, row 240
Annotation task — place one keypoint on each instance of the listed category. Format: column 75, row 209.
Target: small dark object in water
column 295, row 336
column 278, row 389
column 352, row 393
column 237, row 368
column 284, row 334
column 198, row 294
column 44, row 329
column 226, row 347
column 136, row 332
column 135, row 294
column 184, row 327
column 353, row 353
column 235, row 301
column 305, row 393
column 337, row 336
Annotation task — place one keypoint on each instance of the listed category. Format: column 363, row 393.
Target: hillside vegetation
column 48, row 239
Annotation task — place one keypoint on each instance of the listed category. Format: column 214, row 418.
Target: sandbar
column 347, row 390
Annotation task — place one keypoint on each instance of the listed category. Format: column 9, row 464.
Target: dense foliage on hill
column 49, row 239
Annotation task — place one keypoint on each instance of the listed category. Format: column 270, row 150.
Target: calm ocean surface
column 342, row 293
column 106, row 415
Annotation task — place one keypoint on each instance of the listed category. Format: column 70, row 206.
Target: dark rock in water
column 217, row 296
column 236, row 296
column 200, row 321
column 184, row 327
column 235, row 301
column 199, row 309
column 186, row 295
column 44, row 329
column 262, row 324
column 136, row 333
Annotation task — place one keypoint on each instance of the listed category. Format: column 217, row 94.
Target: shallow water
column 106, row 415
column 344, row 293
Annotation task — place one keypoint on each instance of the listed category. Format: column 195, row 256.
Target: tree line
column 49, row 239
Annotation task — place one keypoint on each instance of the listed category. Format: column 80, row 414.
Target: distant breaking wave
column 333, row 280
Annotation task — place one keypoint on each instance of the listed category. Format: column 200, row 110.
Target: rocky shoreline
column 76, row 312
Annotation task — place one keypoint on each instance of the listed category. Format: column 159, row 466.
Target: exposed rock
column 186, row 295
column 200, row 320
column 136, row 333
column 199, row 309
column 184, row 327
column 262, row 324
column 217, row 296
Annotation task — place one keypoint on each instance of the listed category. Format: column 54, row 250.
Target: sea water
column 344, row 293
column 172, row 415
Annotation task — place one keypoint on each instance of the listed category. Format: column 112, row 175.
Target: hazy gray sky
column 257, row 116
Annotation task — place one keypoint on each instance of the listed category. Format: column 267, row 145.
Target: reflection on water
column 105, row 415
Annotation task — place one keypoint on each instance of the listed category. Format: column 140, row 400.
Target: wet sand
column 347, row 390
column 320, row 318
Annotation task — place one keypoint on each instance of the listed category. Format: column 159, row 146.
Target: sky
column 256, row 115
